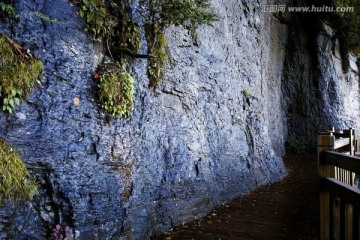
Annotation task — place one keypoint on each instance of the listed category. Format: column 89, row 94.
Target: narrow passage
column 287, row 210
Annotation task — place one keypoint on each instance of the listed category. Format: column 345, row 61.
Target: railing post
column 325, row 142
column 351, row 181
column 351, row 133
column 352, row 141
column 357, row 144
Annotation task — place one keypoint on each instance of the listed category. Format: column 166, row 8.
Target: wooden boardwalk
column 288, row 209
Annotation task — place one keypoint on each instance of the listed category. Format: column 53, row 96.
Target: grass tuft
column 15, row 180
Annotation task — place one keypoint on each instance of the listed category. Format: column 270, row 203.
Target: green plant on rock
column 11, row 99
column 110, row 21
column 18, row 73
column 186, row 13
column 113, row 22
column 129, row 38
column 99, row 21
column 16, row 182
column 161, row 14
column 116, row 90
column 46, row 18
column 156, row 65
column 6, row 9
column 246, row 93
column 348, row 31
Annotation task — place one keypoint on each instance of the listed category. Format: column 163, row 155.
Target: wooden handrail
column 339, row 199
column 342, row 142
column 339, row 189
column 344, row 161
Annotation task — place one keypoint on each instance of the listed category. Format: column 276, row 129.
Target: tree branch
column 119, row 51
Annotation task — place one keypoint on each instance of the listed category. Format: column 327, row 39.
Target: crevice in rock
column 51, row 204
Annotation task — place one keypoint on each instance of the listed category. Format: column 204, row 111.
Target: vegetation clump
column 158, row 48
column 19, row 71
column 112, row 23
column 158, row 16
column 99, row 22
column 349, row 23
column 6, row 9
column 116, row 90
column 246, row 93
column 348, row 32
column 15, row 181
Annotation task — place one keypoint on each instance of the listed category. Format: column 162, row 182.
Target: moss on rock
column 19, row 71
column 15, row 180
column 116, row 90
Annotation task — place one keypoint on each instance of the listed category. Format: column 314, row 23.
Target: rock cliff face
column 216, row 129
column 317, row 94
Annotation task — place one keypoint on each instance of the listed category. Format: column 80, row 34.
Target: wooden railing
column 339, row 198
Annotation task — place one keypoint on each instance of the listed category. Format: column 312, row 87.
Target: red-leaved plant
column 60, row 233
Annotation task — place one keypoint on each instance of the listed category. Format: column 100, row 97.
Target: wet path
column 287, row 210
